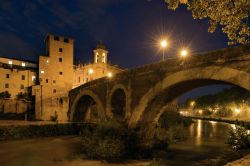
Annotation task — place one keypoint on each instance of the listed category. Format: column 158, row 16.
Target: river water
column 206, row 140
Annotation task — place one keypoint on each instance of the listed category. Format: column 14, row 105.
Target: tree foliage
column 234, row 94
column 4, row 95
column 239, row 138
column 231, row 15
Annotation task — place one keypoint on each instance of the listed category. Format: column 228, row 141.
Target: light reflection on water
column 206, row 140
column 202, row 132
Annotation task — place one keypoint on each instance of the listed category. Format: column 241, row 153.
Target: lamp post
column 90, row 72
column 184, row 53
column 110, row 75
column 164, row 44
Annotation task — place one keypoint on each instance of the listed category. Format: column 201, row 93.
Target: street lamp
column 164, row 44
column 192, row 103
column 183, row 53
column 110, row 74
column 90, row 71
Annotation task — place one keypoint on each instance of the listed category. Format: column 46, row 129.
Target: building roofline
column 47, row 34
column 18, row 59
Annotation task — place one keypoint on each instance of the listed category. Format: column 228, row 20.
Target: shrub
column 36, row 131
column 239, row 138
column 5, row 95
column 172, row 118
column 109, row 141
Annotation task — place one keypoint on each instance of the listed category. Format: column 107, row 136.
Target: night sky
column 130, row 29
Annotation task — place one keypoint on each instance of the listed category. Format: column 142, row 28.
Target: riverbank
column 243, row 123
column 30, row 130
column 245, row 161
column 53, row 151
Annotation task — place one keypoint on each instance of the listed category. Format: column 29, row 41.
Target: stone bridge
column 141, row 94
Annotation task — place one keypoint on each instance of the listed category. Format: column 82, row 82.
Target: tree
column 4, row 95
column 231, row 15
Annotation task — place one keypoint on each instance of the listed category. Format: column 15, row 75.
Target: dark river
column 206, row 141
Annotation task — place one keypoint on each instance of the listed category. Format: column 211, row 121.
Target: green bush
column 109, row 141
column 172, row 118
column 5, row 95
column 239, row 138
column 36, row 131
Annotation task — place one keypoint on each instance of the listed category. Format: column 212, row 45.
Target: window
column 96, row 58
column 79, row 79
column 23, row 64
column 10, row 62
column 61, row 73
column 47, row 80
column 22, row 86
column 7, row 76
column 33, row 78
column 60, row 59
column 60, row 50
column 47, row 61
column 56, row 38
column 54, row 81
column 6, row 85
column 42, row 71
column 66, row 40
column 23, row 77
column 54, row 90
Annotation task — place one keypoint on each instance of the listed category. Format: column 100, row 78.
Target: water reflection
column 203, row 132
column 199, row 130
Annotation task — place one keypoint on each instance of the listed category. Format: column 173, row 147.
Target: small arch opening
column 118, row 104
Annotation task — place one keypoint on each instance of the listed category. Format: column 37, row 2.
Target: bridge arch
column 84, row 101
column 201, row 76
column 119, row 102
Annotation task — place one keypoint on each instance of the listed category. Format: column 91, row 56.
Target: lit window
column 10, row 62
column 103, row 59
column 103, row 54
column 33, row 78
column 23, row 64
column 96, row 58
column 47, row 61
column 42, row 71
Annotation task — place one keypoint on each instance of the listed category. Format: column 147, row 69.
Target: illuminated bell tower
column 100, row 53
